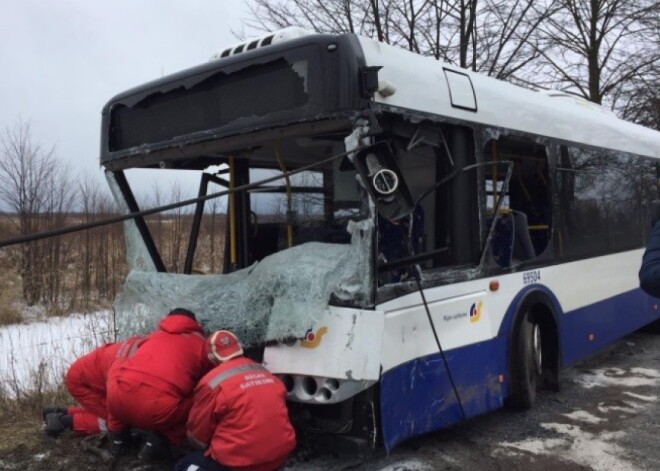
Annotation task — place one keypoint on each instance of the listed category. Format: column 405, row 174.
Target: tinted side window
column 602, row 200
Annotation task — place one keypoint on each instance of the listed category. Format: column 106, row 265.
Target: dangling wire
column 417, row 276
column 167, row 207
column 417, row 272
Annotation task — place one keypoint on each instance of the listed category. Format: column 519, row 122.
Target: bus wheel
column 527, row 364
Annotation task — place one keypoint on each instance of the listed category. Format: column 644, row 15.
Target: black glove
column 53, row 410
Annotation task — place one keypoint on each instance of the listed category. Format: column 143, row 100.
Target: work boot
column 53, row 410
column 57, row 423
column 155, row 448
column 120, row 443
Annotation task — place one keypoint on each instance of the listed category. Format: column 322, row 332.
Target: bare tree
column 178, row 229
column 169, row 229
column 496, row 37
column 507, row 43
column 26, row 169
column 639, row 101
column 90, row 253
column 60, row 197
column 215, row 235
column 596, row 47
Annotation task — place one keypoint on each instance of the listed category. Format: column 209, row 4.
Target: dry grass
column 10, row 295
column 20, row 420
column 23, row 431
column 30, row 404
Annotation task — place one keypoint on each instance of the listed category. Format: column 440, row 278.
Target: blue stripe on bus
column 607, row 321
column 416, row 397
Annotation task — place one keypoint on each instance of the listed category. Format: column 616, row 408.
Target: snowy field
column 36, row 355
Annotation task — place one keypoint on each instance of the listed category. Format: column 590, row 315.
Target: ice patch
column 584, row 416
column 646, row 372
column 641, row 397
column 618, row 377
column 409, row 465
column 537, row 447
column 592, row 451
column 627, row 408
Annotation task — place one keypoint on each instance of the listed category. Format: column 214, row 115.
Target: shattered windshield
column 288, row 249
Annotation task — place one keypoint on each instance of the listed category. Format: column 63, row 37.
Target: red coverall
column 85, row 381
column 239, row 416
column 151, row 386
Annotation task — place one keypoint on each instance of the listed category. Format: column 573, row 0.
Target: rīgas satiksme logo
column 313, row 339
column 475, row 311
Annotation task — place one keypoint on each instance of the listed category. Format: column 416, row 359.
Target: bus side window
column 526, row 209
column 601, row 199
column 442, row 231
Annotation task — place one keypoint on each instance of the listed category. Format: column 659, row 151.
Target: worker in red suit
column 86, row 382
column 150, row 385
column 239, row 415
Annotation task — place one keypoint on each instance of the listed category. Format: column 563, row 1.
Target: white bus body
column 478, row 302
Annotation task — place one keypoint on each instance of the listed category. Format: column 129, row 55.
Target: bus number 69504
column 530, row 277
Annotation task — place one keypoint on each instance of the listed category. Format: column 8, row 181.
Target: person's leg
column 118, row 424
column 86, row 423
column 76, row 382
column 160, row 412
column 196, row 461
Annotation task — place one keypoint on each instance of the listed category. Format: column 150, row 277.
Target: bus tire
column 528, row 364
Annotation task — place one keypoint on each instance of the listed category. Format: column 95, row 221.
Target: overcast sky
column 61, row 61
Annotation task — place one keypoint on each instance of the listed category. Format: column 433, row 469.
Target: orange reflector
column 500, row 379
column 494, row 285
column 591, row 337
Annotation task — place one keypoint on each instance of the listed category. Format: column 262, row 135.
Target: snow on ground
column 409, row 465
column 584, row 416
column 619, row 377
column 37, row 355
column 575, row 444
column 641, row 397
column 595, row 451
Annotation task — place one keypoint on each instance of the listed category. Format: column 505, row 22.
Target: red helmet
column 223, row 345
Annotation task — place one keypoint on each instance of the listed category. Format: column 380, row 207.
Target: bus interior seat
column 523, row 248
column 503, row 239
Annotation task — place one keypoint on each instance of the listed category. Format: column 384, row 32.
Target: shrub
column 10, row 293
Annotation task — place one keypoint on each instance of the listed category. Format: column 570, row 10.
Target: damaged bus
column 406, row 244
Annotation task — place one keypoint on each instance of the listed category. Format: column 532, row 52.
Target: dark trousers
column 197, row 458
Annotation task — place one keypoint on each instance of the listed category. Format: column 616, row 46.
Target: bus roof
column 407, row 81
column 426, row 85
